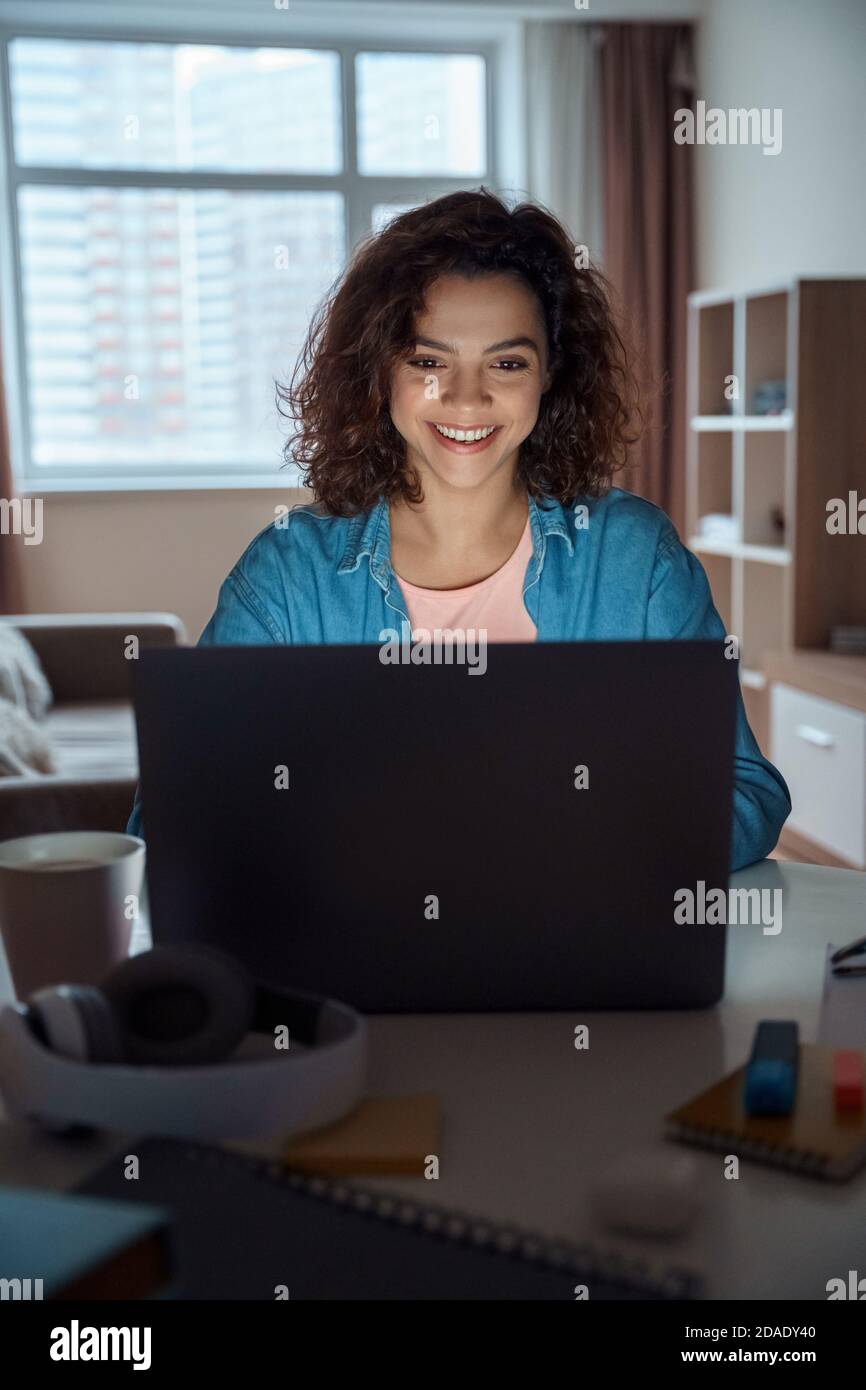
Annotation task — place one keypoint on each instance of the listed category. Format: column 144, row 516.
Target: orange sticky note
column 384, row 1134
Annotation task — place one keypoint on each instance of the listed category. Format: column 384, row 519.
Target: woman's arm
column 681, row 605
column 239, row 619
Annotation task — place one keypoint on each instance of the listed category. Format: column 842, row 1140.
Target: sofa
column 90, row 725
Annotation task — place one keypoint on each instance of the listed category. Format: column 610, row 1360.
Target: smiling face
column 469, row 394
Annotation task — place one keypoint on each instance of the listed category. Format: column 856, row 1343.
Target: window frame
column 361, row 192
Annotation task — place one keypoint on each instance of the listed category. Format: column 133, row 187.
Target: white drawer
column 820, row 749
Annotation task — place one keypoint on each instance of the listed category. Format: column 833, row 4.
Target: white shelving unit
column 779, row 581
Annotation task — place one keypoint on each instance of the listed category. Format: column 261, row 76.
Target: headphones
column 180, row 1041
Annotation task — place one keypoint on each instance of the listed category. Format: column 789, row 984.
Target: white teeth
column 466, row 436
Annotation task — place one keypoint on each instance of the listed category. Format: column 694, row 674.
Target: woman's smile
column 461, row 439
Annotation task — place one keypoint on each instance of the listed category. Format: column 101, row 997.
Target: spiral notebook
column 244, row 1227
column 815, row 1138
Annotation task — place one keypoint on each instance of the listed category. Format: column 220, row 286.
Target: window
column 178, row 210
column 441, row 101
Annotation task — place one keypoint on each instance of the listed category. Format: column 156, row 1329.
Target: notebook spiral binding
column 583, row 1261
column 720, row 1140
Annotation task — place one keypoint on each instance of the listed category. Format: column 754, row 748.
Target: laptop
column 432, row 838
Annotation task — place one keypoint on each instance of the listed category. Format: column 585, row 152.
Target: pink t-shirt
column 496, row 604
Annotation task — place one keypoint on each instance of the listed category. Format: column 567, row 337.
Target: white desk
column 528, row 1120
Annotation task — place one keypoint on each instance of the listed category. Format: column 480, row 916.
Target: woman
column 463, row 401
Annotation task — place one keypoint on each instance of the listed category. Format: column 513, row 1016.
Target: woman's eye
column 507, row 364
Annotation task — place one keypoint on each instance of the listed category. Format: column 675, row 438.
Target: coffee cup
column 68, row 903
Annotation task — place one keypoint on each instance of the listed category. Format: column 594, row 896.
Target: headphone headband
column 310, row 1019
column 254, row 1093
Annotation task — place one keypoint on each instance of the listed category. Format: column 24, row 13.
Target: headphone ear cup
column 180, row 1005
column 76, row 1021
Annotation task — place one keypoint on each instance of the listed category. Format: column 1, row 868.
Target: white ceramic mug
column 68, row 903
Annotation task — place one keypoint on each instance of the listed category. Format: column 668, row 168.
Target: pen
column 854, row 948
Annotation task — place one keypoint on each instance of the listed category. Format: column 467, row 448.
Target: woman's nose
column 466, row 389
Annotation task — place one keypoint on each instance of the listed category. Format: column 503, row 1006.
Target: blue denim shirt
column 614, row 568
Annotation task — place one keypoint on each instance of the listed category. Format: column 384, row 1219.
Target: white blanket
column 25, row 696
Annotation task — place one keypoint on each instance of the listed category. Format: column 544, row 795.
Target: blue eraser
column 771, row 1073
column 770, row 1088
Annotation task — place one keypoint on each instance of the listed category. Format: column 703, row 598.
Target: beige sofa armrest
column 83, row 654
column 38, row 805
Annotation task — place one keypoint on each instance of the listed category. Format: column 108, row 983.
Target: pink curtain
column 11, row 587
column 645, row 77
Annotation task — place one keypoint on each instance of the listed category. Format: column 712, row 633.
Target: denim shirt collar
column 370, row 534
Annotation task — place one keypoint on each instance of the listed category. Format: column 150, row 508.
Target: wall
column 762, row 218
column 170, row 551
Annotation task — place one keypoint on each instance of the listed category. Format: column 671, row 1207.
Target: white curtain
column 563, row 128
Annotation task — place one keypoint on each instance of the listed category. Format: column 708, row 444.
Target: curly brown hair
column 345, row 442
